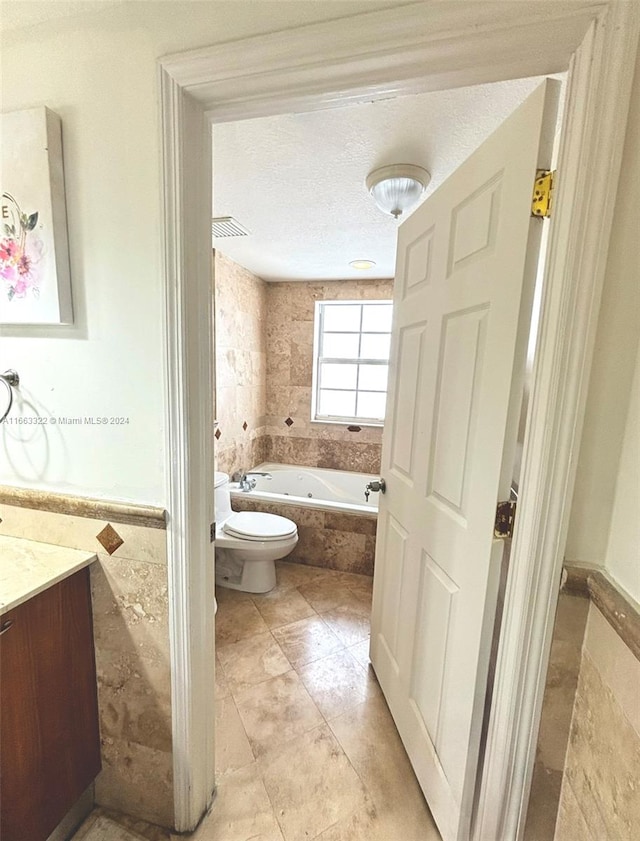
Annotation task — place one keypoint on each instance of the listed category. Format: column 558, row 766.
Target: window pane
column 342, row 318
column 340, row 403
column 338, row 376
column 340, row 345
column 373, row 377
column 375, row 346
column 371, row 404
column 377, row 317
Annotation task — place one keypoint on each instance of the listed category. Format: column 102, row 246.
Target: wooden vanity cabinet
column 49, row 733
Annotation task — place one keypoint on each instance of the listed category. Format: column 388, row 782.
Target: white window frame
column 318, row 332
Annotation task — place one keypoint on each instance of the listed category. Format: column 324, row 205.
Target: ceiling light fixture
column 397, row 187
column 362, row 264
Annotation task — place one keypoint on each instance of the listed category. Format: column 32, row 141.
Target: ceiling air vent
column 227, row 226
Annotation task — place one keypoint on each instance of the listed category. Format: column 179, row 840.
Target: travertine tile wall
column 289, row 345
column 241, row 368
column 555, row 722
column 131, row 632
column 330, row 539
column 599, row 800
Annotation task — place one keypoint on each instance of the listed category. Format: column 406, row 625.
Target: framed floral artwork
column 35, row 282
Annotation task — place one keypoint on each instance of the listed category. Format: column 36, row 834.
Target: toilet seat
column 258, row 526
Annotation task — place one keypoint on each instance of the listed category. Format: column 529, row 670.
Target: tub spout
column 246, row 484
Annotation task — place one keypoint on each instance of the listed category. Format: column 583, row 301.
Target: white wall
column 98, row 72
column 623, row 549
column 614, row 363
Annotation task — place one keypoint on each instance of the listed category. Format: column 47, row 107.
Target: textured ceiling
column 297, row 181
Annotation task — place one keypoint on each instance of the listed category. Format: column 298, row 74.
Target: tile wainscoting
column 131, row 632
column 333, row 540
column 599, row 798
column 585, row 783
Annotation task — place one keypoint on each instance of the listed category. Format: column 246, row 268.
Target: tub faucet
column 247, row 484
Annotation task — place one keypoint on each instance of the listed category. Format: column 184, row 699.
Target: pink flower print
column 8, row 248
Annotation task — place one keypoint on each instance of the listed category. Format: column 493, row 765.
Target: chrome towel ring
column 11, row 380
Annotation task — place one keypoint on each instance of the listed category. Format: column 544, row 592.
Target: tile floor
column 306, row 747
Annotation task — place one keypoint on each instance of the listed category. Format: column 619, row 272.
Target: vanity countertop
column 27, row 568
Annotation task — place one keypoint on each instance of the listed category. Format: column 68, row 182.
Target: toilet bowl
column 248, row 543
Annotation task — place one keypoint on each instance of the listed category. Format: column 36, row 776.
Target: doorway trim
column 407, row 49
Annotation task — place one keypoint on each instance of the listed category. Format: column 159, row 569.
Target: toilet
column 248, row 543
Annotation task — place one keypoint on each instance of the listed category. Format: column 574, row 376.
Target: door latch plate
column 505, row 518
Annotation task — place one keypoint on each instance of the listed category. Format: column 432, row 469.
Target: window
column 351, row 361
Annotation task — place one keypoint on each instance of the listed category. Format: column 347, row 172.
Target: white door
column 466, row 267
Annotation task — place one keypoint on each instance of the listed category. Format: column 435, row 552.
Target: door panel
column 465, row 273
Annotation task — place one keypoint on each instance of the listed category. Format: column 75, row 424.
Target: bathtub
column 313, row 487
column 336, row 525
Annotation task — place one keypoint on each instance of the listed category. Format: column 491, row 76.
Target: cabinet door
column 49, row 734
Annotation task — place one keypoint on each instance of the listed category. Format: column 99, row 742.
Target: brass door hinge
column 505, row 518
column 542, row 193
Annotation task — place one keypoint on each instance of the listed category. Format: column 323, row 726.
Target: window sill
column 374, row 424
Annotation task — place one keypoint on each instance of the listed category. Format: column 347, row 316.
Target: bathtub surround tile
column 311, row 784
column 345, row 550
column 241, row 364
column 233, row 750
column 278, row 608
column 276, row 711
column 310, row 547
column 354, row 455
column 337, row 683
column 306, row 641
column 264, row 369
column 360, row 524
column 349, row 550
column 252, row 661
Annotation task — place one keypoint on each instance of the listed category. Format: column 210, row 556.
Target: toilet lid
column 220, row 478
column 255, row 525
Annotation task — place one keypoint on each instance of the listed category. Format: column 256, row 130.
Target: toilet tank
column 222, row 497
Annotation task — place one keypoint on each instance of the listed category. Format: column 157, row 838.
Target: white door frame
column 407, row 49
